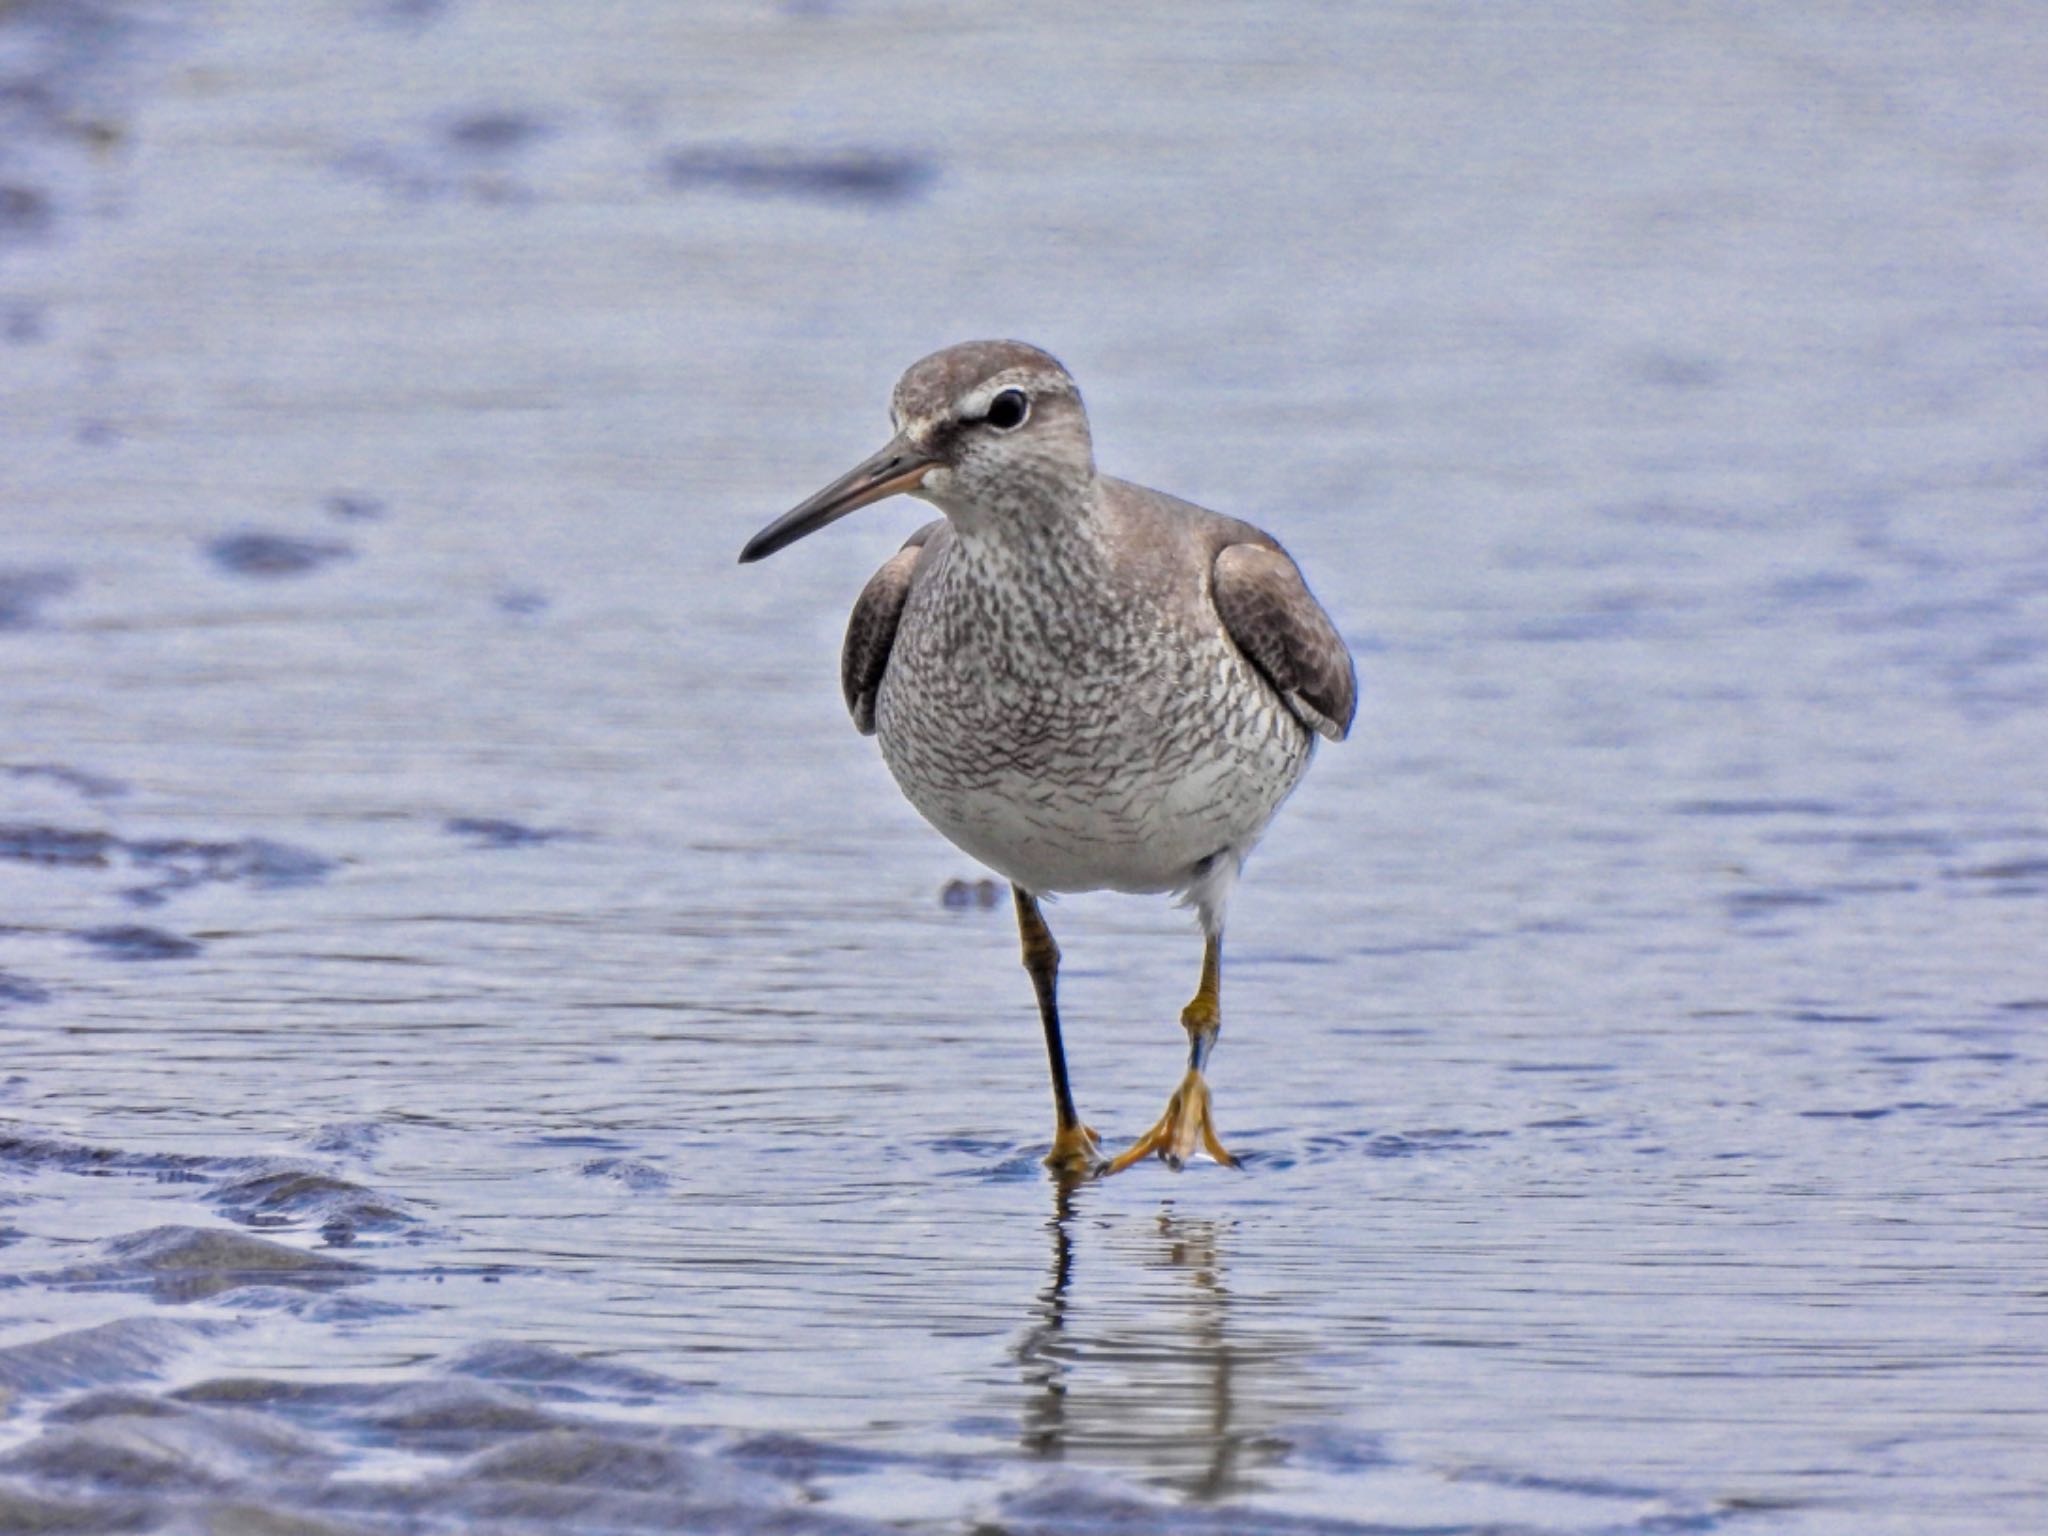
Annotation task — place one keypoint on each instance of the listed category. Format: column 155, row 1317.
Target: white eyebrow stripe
column 974, row 404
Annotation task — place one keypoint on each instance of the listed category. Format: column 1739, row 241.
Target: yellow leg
column 1074, row 1153
column 1187, row 1120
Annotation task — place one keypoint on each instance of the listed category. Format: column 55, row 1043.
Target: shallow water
column 482, row 1041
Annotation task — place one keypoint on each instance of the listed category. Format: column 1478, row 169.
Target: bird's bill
column 898, row 467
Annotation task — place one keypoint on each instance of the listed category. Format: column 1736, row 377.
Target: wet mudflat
column 482, row 1043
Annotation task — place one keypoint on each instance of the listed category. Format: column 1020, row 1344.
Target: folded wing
column 1283, row 631
column 871, row 632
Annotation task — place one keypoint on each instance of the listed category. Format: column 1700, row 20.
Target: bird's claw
column 1076, row 1153
column 1173, row 1139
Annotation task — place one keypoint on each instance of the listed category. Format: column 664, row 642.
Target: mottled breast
column 1066, row 707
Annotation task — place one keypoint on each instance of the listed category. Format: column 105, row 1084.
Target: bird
column 1081, row 683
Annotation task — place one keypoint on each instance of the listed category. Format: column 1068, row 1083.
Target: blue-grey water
column 483, row 1045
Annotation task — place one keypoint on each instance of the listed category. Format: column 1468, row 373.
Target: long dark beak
column 900, row 466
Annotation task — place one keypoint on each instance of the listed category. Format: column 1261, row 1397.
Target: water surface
column 482, row 1041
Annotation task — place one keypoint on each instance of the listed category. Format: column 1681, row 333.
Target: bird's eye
column 1007, row 411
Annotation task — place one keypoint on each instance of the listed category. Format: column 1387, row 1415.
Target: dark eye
column 1007, row 411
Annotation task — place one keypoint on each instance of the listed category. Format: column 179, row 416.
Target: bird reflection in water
column 1150, row 1367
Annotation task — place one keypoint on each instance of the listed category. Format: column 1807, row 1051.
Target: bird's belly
column 1129, row 778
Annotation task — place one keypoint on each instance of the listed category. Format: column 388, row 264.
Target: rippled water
column 483, row 1042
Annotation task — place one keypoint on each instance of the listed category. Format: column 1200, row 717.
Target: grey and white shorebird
column 1084, row 684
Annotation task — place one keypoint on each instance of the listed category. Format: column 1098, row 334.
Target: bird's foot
column 1185, row 1123
column 1076, row 1152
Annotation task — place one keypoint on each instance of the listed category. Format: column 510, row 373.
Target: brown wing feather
column 871, row 632
column 1284, row 632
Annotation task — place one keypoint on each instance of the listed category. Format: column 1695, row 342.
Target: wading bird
column 1084, row 684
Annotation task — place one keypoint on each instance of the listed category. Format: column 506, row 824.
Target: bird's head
column 985, row 431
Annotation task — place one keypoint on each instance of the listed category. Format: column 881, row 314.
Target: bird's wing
column 1283, row 631
column 871, row 632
